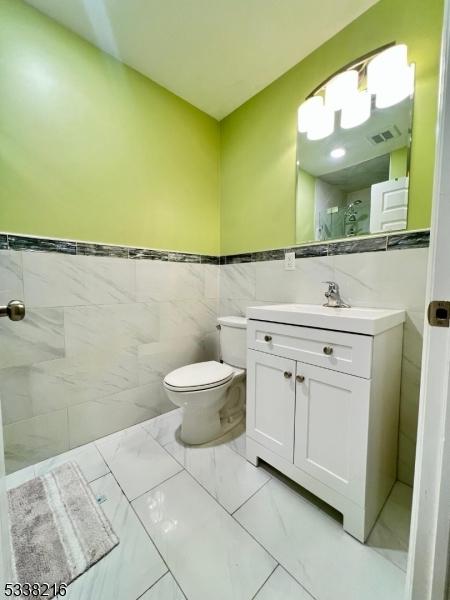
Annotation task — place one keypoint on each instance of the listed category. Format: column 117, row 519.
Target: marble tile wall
column 391, row 279
column 100, row 333
column 105, row 324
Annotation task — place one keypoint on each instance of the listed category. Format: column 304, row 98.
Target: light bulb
column 340, row 88
column 338, row 153
column 383, row 70
column 397, row 90
column 357, row 110
column 322, row 125
column 307, row 112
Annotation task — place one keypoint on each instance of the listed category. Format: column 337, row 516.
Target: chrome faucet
column 333, row 296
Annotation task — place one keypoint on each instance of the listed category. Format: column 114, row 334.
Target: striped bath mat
column 58, row 530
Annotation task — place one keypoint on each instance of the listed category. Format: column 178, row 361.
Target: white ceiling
column 215, row 54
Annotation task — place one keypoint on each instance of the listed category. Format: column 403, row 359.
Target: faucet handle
column 333, row 296
column 333, row 286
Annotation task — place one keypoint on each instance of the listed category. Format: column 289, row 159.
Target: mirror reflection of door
column 354, row 181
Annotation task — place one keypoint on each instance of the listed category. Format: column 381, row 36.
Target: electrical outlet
column 289, row 261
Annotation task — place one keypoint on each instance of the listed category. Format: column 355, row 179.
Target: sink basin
column 367, row 321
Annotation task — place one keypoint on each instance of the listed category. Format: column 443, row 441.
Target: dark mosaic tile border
column 147, row 254
column 19, row 242
column 35, row 244
column 184, row 257
column 395, row 241
column 236, row 258
column 101, row 250
column 268, row 255
column 310, row 251
column 413, row 239
column 383, row 243
column 378, row 244
column 210, row 260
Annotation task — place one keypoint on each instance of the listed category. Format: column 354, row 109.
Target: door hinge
column 439, row 313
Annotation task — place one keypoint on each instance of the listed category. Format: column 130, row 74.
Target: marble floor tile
column 390, row 536
column 236, row 440
column 18, row 477
column 132, row 567
column 228, row 477
column 281, row 586
column 313, row 547
column 164, row 589
column 87, row 457
column 137, row 461
column 209, row 554
column 163, row 428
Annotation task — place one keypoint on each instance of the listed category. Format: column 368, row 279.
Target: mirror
column 353, row 151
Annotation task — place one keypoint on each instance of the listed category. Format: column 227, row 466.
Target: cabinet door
column 331, row 428
column 271, row 402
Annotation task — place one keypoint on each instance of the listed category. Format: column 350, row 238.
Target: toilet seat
column 198, row 376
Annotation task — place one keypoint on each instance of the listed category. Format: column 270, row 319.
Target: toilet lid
column 199, row 375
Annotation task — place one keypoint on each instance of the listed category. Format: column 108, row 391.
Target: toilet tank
column 233, row 341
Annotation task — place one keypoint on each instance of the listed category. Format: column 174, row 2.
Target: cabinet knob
column 287, row 374
column 267, row 338
column 300, row 378
column 328, row 350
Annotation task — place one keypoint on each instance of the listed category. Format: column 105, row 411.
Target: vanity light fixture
column 322, row 124
column 357, row 110
column 390, row 77
column 338, row 153
column 341, row 89
column 308, row 111
column 385, row 75
column 402, row 87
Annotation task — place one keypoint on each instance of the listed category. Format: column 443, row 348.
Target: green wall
column 258, row 154
column 91, row 150
column 398, row 163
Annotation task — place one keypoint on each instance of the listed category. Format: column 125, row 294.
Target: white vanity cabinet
column 272, row 423
column 323, row 408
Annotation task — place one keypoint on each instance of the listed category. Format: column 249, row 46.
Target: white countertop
column 368, row 321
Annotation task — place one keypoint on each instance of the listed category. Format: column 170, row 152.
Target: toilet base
column 209, row 414
column 202, row 426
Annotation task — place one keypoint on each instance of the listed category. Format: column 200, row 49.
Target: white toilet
column 212, row 394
